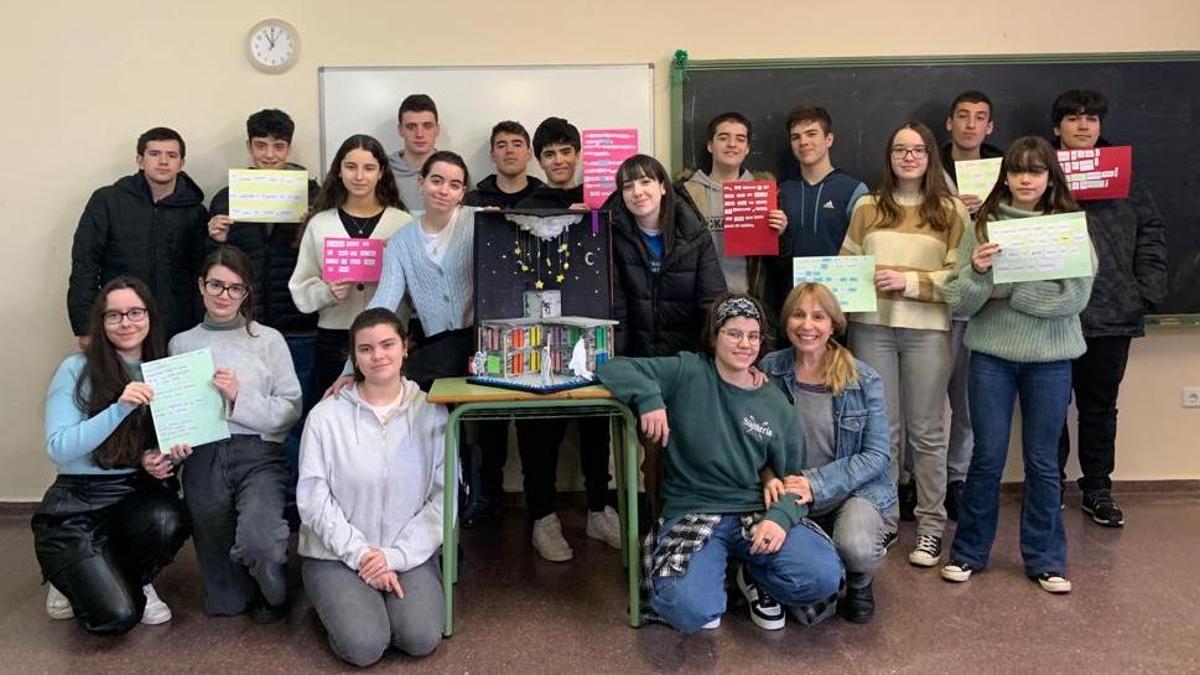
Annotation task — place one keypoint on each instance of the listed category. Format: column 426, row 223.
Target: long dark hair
column 937, row 204
column 1028, row 154
column 333, row 192
column 369, row 318
column 451, row 158
column 104, row 377
column 238, row 262
column 640, row 166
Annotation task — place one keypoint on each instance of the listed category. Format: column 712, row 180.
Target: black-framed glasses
column 216, row 288
column 917, row 151
column 114, row 318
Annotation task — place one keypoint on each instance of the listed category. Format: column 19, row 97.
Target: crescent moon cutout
column 587, row 258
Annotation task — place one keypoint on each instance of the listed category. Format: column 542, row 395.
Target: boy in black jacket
column 511, row 183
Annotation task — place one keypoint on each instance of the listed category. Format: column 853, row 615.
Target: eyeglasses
column 900, row 152
column 216, row 288
column 114, row 318
column 736, row 336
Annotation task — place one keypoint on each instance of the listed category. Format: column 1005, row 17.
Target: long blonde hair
column 837, row 367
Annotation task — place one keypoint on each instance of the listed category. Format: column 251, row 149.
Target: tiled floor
column 1135, row 608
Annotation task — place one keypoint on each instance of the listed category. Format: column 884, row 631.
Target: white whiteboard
column 471, row 99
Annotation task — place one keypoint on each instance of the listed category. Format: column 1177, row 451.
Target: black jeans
column 329, row 358
column 1097, row 379
column 539, row 440
column 100, row 538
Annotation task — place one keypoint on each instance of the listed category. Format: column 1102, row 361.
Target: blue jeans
column 303, row 349
column 804, row 571
column 1044, row 390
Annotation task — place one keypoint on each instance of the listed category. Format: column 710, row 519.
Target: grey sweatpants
column 962, row 438
column 362, row 622
column 235, row 491
column 915, row 366
column 857, row 529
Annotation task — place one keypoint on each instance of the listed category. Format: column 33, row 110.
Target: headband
column 737, row 306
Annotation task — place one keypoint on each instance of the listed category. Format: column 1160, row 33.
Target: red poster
column 348, row 259
column 747, row 207
column 1098, row 173
column 603, row 151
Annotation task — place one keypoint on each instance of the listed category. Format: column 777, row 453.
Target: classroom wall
column 82, row 80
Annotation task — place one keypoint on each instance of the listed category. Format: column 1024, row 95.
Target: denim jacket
column 860, row 434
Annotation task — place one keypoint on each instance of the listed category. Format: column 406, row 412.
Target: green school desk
column 475, row 402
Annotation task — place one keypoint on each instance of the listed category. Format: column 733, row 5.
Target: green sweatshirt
column 1025, row 322
column 721, row 435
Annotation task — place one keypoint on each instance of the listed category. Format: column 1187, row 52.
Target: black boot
column 859, row 604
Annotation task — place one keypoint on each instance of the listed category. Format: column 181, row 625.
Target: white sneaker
column 712, row 625
column 606, row 526
column 548, row 539
column 57, row 604
column 156, row 611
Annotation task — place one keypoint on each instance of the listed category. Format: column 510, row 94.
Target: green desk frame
column 472, row 402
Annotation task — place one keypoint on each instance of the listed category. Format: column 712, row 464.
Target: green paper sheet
column 187, row 407
column 977, row 176
column 266, row 196
column 850, row 277
column 1041, row 248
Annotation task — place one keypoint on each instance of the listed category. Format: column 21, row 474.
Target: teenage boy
column 149, row 225
column 729, row 135
column 1132, row 277
column 556, row 144
column 817, row 203
column 511, row 183
column 272, row 248
column 419, row 128
column 969, row 124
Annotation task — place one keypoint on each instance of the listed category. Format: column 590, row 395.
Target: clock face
column 273, row 46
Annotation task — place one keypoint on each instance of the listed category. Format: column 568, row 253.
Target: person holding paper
column 105, row 529
column 419, row 128
column 236, row 489
column 912, row 225
column 1022, row 337
column 148, row 225
column 273, row 249
column 840, row 402
column 729, row 136
column 510, row 153
column 1130, row 240
column 556, row 144
column 969, row 124
column 358, row 200
column 720, row 426
column 370, row 499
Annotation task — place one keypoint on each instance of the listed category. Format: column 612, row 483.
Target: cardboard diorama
column 543, row 298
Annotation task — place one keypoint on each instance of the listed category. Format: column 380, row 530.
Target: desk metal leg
column 449, row 507
column 633, row 557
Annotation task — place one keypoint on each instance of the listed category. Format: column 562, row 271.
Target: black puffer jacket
column 272, row 248
column 662, row 314
column 122, row 231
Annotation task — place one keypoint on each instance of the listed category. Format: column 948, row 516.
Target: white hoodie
column 367, row 484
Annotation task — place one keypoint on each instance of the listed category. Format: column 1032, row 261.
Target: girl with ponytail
column 844, row 474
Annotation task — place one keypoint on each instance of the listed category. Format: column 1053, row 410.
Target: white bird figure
column 547, row 372
column 578, row 363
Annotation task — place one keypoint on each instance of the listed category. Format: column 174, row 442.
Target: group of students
column 788, row 462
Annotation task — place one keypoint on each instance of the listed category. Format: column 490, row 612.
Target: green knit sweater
column 1026, row 322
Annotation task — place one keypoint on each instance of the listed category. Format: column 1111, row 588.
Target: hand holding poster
column 187, row 407
column 603, row 151
column 350, row 259
column 747, row 205
column 264, row 196
column 1098, row 173
column 851, row 278
column 977, row 176
column 1041, row 248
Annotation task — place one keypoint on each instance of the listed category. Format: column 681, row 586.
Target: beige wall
column 81, row 80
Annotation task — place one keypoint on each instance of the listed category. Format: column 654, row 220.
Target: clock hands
column 271, row 35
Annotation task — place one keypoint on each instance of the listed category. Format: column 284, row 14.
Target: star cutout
column 538, row 284
column 559, row 279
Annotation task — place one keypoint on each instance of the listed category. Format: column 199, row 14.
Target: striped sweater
column 926, row 258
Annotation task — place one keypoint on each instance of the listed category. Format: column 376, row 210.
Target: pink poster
column 1098, row 173
column 603, row 151
column 348, row 259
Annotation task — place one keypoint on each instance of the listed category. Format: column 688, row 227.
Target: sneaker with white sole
column 1053, row 582
column 765, row 611
column 548, row 539
column 57, row 605
column 712, row 625
column 606, row 526
column 927, row 552
column 957, row 571
column 156, row 611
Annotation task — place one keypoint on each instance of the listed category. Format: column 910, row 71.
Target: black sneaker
column 907, row 494
column 859, row 604
column 765, row 612
column 1099, row 504
column 927, row 552
column 889, row 538
column 953, row 494
column 262, row 613
column 482, row 510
